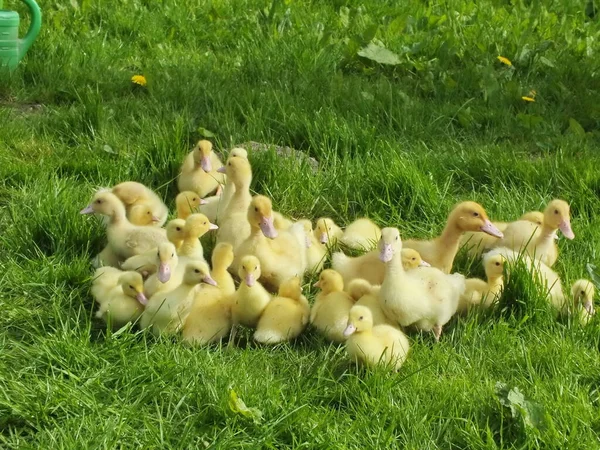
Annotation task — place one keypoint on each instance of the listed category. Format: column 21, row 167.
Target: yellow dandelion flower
column 528, row 99
column 504, row 60
column 139, row 79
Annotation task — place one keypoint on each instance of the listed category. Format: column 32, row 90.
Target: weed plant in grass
column 407, row 109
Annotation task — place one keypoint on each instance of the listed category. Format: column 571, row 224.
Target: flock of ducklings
column 159, row 278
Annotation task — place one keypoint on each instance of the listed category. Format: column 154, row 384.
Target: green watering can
column 13, row 49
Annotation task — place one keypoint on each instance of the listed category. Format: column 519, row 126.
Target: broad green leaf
column 576, row 128
column 205, row 133
column 530, row 120
column 591, row 268
column 108, row 149
column 238, row 406
column 545, row 61
column 379, row 54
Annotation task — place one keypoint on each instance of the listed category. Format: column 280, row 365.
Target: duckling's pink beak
column 203, row 202
column 140, row 297
column 350, row 329
column 491, row 229
column 589, row 307
column 317, row 284
column 307, row 241
column 324, row 238
column 206, row 164
column 212, row 226
column 386, row 253
column 221, row 169
column 209, row 280
column 155, row 219
column 164, row 273
column 424, row 264
column 565, row 229
column 250, row 279
column 87, row 210
column 267, row 226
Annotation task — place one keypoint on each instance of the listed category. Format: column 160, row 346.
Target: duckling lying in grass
column 134, row 194
column 373, row 345
column 365, row 294
column 199, row 172
column 327, row 232
column 362, row 234
column 484, row 293
column 582, row 293
column 154, row 260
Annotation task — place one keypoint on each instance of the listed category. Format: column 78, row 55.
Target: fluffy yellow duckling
column 199, row 172
column 134, row 194
column 365, row 294
column 166, row 312
column 372, row 345
column 369, row 265
column 362, row 234
column 222, row 258
column 106, row 258
column 251, row 298
column 169, row 271
column 425, row 297
column 484, row 293
column 196, row 226
column 148, row 263
column 234, row 227
column 281, row 254
column 440, row 252
column 176, row 232
column 285, row 317
column 329, row 313
column 582, row 293
column 187, row 203
column 142, row 215
column 120, row 295
column 327, row 232
column 540, row 243
column 124, row 238
column 316, row 253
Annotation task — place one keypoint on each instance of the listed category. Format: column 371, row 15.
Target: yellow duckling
column 281, row 254
column 362, row 234
column 251, row 298
column 148, row 263
column 196, row 226
column 106, row 258
column 540, row 243
column 234, row 227
column 370, row 267
column 327, row 232
column 199, row 172
column 176, row 232
column 134, row 194
column 329, row 314
column 187, row 203
column 285, row 317
column 425, row 297
column 440, row 252
column 142, row 215
column 222, row 258
column 166, row 312
column 484, row 293
column 316, row 253
column 119, row 294
column 583, row 292
column 373, row 345
column 169, row 271
column 124, row 238
column 365, row 294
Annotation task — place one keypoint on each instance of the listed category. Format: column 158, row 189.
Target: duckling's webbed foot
column 437, row 332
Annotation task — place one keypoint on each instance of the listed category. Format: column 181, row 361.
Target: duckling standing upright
column 251, row 298
column 199, row 172
column 583, row 292
column 196, row 226
column 133, row 194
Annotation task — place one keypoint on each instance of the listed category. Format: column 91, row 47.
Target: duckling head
column 188, row 200
column 132, row 284
column 583, row 294
column 105, row 203
column 197, row 272
column 358, row 288
column 308, row 231
column 324, row 229
column 239, row 152
column 130, row 192
column 222, row 255
column 470, row 216
column 359, row 319
column 175, row 231
column 330, row 281
column 535, row 217
column 167, row 257
column 238, row 169
column 558, row 215
column 412, row 258
column 202, row 153
column 198, row 225
column 142, row 215
column 494, row 266
column 389, row 244
column 249, row 270
column 291, row 288
column 260, row 215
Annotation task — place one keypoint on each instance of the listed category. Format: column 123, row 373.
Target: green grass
column 399, row 143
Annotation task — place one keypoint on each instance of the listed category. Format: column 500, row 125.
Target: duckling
column 281, row 222
column 119, row 294
column 282, row 255
column 316, row 252
column 196, row 226
column 199, row 172
column 148, row 263
column 234, row 227
column 215, row 205
column 482, row 293
column 251, row 298
column 124, row 238
column 425, row 297
column 370, row 267
column 142, row 215
column 440, row 252
column 371, row 345
column 187, row 203
column 285, row 317
column 329, row 313
column 169, row 271
column 367, row 295
column 134, row 194
column 106, row 258
column 222, row 257
column 362, row 234
column 540, row 243
column 327, row 232
column 176, row 232
column 166, row 312
column 582, row 293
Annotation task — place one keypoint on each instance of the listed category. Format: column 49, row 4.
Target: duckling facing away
column 134, row 194
column 285, row 317
column 370, row 267
column 482, row 293
column 119, row 294
column 362, row 234
column 372, row 345
column 199, row 172
column 187, row 203
column 329, row 313
column 441, row 251
column 582, row 293
column 327, row 232
column 365, row 294
column 425, row 297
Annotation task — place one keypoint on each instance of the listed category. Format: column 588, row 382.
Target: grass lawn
column 437, row 120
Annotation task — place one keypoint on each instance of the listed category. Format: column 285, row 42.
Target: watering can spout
column 34, row 27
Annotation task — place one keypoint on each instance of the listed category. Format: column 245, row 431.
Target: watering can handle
column 34, row 27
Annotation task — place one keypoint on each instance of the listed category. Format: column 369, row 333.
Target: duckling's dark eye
column 131, row 287
column 158, row 254
column 178, row 228
column 582, row 292
column 194, row 199
column 396, row 237
column 98, row 201
column 414, row 259
column 556, row 211
column 148, row 212
column 196, row 270
column 256, row 268
column 203, row 223
column 497, row 263
column 475, row 214
column 229, row 164
column 361, row 318
column 172, row 255
column 256, row 209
